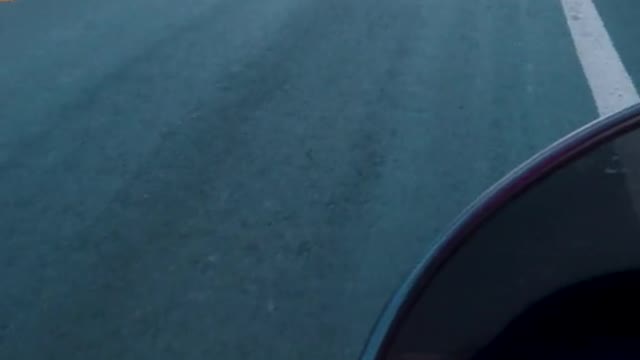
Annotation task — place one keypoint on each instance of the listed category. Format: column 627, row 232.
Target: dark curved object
column 515, row 183
column 594, row 319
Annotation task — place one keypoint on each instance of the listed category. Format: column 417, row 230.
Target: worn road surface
column 251, row 179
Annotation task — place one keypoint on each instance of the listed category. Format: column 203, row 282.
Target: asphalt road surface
column 251, row 179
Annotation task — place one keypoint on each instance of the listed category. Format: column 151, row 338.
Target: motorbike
column 544, row 265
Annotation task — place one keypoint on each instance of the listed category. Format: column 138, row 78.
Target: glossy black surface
column 576, row 220
column 594, row 319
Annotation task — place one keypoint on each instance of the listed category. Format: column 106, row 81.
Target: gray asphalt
column 251, row 179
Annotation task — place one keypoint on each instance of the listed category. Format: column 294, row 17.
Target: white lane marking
column 610, row 84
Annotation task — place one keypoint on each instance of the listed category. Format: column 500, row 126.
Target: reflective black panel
column 579, row 223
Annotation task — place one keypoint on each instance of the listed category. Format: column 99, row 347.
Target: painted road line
column 610, row 84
